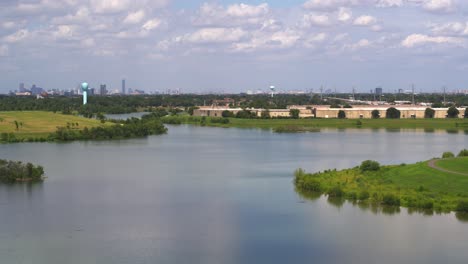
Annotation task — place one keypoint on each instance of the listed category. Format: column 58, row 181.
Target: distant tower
column 272, row 89
column 123, row 86
column 84, row 88
column 21, row 88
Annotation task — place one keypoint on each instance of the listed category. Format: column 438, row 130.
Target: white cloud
column 9, row 24
column 389, row 3
column 344, row 14
column 420, row 39
column 451, row 29
column 4, row 50
column 364, row 21
column 315, row 20
column 63, row 32
column 152, row 24
column 233, row 15
column 135, row 17
column 243, row 10
column 17, row 36
column 109, row 6
column 215, row 35
column 439, row 5
column 89, row 42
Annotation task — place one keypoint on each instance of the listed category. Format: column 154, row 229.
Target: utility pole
column 321, row 92
column 444, row 97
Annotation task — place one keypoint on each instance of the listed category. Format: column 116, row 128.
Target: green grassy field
column 34, row 124
column 301, row 125
column 457, row 165
column 414, row 186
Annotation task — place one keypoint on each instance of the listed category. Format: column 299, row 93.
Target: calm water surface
column 213, row 195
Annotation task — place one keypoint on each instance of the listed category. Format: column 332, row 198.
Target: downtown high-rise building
column 102, row 90
column 123, row 86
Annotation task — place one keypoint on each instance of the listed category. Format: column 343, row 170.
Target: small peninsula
column 439, row 185
column 17, row 171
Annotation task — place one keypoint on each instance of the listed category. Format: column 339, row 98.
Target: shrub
column 294, row 113
column 429, row 113
column 463, row 153
column 335, row 192
column 452, row 112
column 390, row 200
column 447, row 155
column 462, row 206
column 393, row 113
column 466, row 113
column 227, row 113
column 375, row 114
column 265, row 114
column 245, row 114
column 347, row 106
column 364, row 195
column 219, row 120
column 369, row 165
column 341, row 114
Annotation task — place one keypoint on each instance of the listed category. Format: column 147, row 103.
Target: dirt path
column 432, row 164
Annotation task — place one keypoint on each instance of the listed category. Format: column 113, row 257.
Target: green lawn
column 39, row 123
column 414, row 185
column 457, row 165
column 299, row 125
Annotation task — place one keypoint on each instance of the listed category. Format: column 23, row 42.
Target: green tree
column 375, row 114
column 227, row 113
column 294, row 113
column 392, row 113
column 17, row 125
column 341, row 114
column 447, row 155
column 452, row 112
column 347, row 106
column 369, row 165
column 463, row 153
column 466, row 113
column 429, row 113
column 265, row 114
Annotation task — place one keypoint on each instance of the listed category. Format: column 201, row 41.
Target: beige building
column 326, row 112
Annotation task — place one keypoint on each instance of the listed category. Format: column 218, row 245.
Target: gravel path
column 432, row 164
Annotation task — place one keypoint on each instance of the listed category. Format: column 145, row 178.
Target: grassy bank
column 304, row 125
column 39, row 124
column 416, row 186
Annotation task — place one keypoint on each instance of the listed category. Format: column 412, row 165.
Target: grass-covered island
column 291, row 125
column 439, row 185
column 40, row 126
column 17, row 171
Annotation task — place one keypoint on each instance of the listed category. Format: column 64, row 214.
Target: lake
column 214, row 195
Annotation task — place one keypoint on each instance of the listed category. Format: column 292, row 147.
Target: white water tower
column 272, row 90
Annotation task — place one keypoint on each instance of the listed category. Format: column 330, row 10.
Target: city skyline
column 235, row 46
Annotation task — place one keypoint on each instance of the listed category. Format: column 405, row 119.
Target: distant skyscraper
column 123, row 86
column 102, row 90
column 378, row 91
column 21, row 88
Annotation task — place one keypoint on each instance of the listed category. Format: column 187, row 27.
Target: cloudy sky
column 231, row 46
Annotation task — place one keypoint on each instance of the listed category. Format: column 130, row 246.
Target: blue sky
column 233, row 46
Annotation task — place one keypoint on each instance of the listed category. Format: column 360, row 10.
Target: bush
column 429, row 113
column 462, row 206
column 219, row 120
column 390, row 200
column 341, row 114
column 452, row 112
column 245, row 114
column 392, row 113
column 265, row 114
column 463, row 153
column 375, row 114
column 369, row 165
column 335, row 192
column 227, row 113
column 447, row 155
column 364, row 195
column 294, row 113
column 466, row 113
